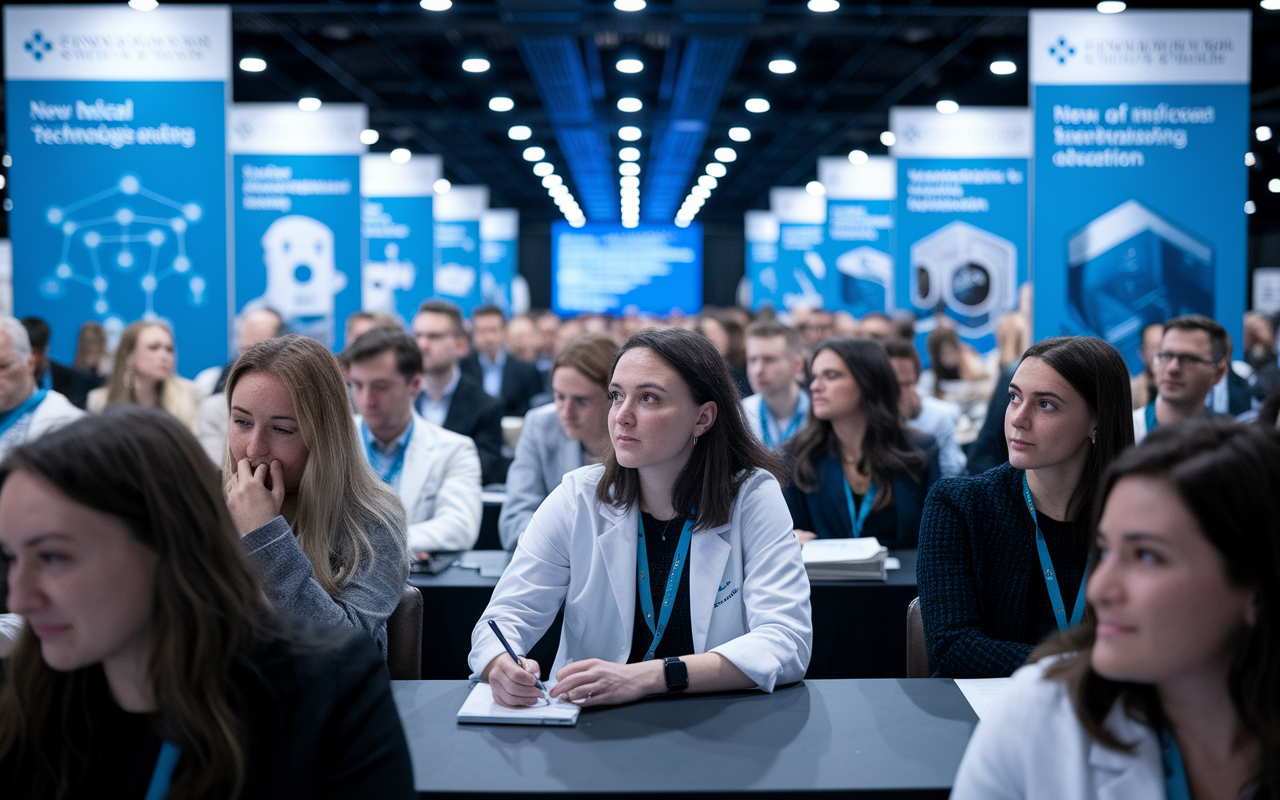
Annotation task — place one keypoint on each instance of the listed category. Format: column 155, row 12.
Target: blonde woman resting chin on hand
column 675, row 560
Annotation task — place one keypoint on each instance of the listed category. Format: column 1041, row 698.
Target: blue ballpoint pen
column 515, row 657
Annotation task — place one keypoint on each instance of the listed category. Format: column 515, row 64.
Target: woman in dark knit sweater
column 987, row 586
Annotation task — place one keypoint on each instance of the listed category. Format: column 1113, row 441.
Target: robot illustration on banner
column 967, row 272
column 302, row 277
column 380, row 280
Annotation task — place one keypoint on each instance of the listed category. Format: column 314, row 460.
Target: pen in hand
column 516, row 658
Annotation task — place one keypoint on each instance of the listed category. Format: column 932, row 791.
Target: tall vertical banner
column 499, row 256
column 115, row 122
column 1140, row 187
column 296, row 178
column 802, row 272
column 457, row 215
column 396, row 229
column 858, row 246
column 762, row 234
column 962, row 215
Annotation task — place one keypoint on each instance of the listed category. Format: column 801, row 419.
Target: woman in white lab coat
column 1171, row 687
column 686, row 485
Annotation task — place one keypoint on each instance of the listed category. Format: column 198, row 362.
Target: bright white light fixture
column 716, row 170
column 707, row 181
column 947, row 106
column 726, row 154
column 824, row 6
column 309, row 104
column 519, row 132
column 369, row 136
column 501, row 104
column 1263, row 132
column 628, row 191
column 816, row 189
column 1003, row 67
column 629, row 133
column 558, row 191
column 782, row 66
column 629, row 154
column 1111, row 7
column 630, row 168
column 1250, row 159
column 251, row 64
column 696, row 201
column 858, row 157
column 436, row 5
column 757, row 105
column 630, row 104
column 534, row 154
column 888, row 139
column 629, row 182
column 401, row 155
column 143, row 5
column 700, row 191
column 441, row 186
column 630, row 201
column 740, row 134
column 543, row 168
column 577, row 222
column 1249, row 207
column 1273, row 186
column 681, row 222
column 629, row 5
column 1270, row 5
column 476, row 64
column 552, row 180
column 629, row 65
column 630, row 223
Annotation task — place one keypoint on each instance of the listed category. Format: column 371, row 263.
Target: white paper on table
column 481, row 707
column 822, row 551
column 892, row 563
column 982, row 693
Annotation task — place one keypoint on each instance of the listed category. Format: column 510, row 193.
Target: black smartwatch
column 676, row 673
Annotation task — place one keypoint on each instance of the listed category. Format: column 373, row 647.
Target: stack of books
column 845, row 559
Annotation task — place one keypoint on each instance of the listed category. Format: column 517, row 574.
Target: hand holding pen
column 514, row 681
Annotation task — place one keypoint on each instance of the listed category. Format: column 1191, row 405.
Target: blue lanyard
column 1150, row 415
column 673, row 583
column 860, row 518
column 1175, row 773
column 11, row 416
column 392, row 475
column 1051, row 577
column 764, row 423
column 163, row 772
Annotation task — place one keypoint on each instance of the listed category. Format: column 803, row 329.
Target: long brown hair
column 724, row 455
column 143, row 467
column 339, row 494
column 1226, row 475
column 120, row 386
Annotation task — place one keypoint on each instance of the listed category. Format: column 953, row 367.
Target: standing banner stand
column 802, row 273
column 115, row 123
column 396, row 230
column 499, row 256
column 1141, row 119
column 859, row 241
column 457, row 215
column 296, row 176
column 762, row 234
column 962, row 216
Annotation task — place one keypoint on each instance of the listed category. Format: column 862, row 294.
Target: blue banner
column 457, row 245
column 761, row 229
column 398, row 253
column 858, row 245
column 499, row 256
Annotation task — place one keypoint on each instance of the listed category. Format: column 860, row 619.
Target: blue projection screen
column 609, row 269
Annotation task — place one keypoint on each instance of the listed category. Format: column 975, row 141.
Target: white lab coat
column 1031, row 746
column 748, row 591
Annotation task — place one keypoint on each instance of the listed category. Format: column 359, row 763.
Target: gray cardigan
column 290, row 582
column 543, row 455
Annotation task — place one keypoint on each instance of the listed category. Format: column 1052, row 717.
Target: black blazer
column 520, row 382
column 474, row 413
column 74, row 383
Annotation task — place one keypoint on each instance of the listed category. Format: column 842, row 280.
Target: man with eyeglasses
column 1194, row 354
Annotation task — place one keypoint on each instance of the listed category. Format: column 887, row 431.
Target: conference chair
column 917, row 649
column 404, row 637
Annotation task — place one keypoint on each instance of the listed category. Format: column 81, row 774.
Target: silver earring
column 695, row 441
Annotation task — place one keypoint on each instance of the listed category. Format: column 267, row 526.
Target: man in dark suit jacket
column 503, row 376
column 74, row 384
column 451, row 399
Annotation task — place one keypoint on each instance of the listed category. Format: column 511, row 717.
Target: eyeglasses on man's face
column 1183, row 359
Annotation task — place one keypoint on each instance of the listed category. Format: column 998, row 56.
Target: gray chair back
column 917, row 649
column 404, row 637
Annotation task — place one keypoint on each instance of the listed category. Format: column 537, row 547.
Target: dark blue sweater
column 984, row 601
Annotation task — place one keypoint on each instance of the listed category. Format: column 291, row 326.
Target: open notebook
column 481, row 708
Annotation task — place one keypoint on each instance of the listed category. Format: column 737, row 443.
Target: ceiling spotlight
column 696, row 201
column 888, row 139
column 630, row 104
column 436, row 5
column 543, row 168
column 558, row 191
column 630, row 201
column 1111, row 7
column 476, row 65
column 368, row 136
column 552, row 180
column 816, row 189
column 707, row 181
column 1249, row 207
column 629, row 5
column 682, row 223
column 824, row 6
column 740, row 134
column 629, row 168
column 577, row 222
column 1263, row 132
column 629, row 133
column 858, row 157
column 143, row 5
column 1250, row 159
column 782, row 66
column 501, row 104
column 726, row 154
column 309, row 104
column 700, row 191
column 947, row 106
column 629, row 65
column 1269, row 5
column 251, row 64
column 401, row 155
column 519, row 132
column 628, row 191
column 441, row 186
column 1003, row 67
column 757, row 105
column 629, row 182
column 534, row 154
column 1273, row 185
column 716, row 170
column 629, row 154
column 630, row 223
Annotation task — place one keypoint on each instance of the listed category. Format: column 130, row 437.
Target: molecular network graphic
column 126, row 240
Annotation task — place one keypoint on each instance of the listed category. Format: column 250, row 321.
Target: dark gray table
column 873, row 738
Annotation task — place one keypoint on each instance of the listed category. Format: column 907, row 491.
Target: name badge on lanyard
column 1051, row 577
column 673, row 584
column 859, row 518
column 163, row 772
column 787, row 434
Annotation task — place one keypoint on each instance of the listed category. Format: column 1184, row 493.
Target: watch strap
column 676, row 674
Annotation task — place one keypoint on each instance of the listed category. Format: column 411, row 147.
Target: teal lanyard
column 791, row 428
column 1051, row 577
column 1175, row 773
column 163, row 772
column 8, row 418
column 859, row 518
column 1150, row 415
column 673, row 583
column 392, row 475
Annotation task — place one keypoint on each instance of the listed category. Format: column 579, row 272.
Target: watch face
column 676, row 673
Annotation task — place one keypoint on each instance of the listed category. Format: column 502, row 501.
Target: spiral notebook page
column 480, row 707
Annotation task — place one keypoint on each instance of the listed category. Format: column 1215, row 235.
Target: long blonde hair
column 339, row 495
column 171, row 396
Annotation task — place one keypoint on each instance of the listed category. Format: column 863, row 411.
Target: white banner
column 285, row 129
column 875, row 180
column 971, row 132
column 382, row 177
column 795, row 205
column 761, row 227
column 461, row 204
column 500, row 225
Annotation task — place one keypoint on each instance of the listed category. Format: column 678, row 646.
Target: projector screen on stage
column 609, row 269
